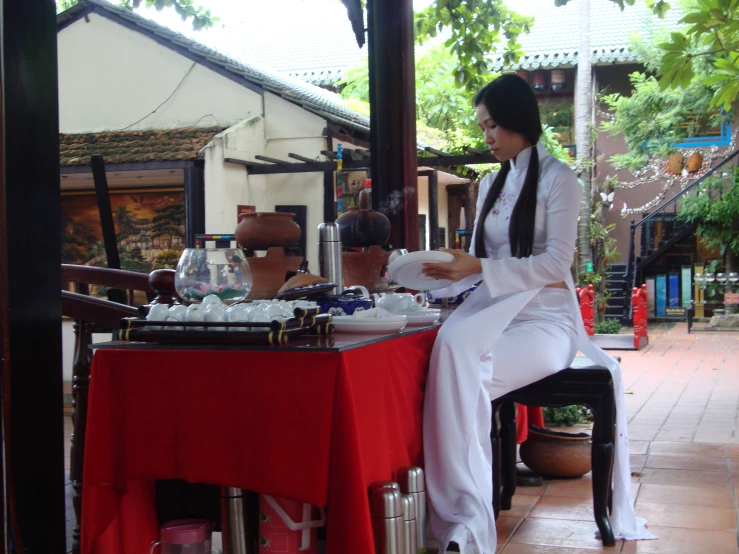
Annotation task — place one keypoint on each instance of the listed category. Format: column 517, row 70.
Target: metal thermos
column 410, row 534
column 329, row 255
column 412, row 482
column 387, row 519
column 234, row 532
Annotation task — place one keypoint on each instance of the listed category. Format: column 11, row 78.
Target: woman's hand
column 463, row 265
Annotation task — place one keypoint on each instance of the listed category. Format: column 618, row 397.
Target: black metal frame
column 632, row 268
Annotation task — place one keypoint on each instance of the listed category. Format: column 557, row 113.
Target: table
column 309, row 421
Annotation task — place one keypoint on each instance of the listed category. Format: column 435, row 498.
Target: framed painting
column 149, row 226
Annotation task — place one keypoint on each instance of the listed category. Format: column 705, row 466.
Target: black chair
column 582, row 383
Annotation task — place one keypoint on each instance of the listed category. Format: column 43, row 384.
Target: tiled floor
column 682, row 399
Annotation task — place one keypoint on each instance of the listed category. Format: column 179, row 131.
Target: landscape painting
column 149, row 226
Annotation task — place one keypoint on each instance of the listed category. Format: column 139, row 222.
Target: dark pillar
column 30, row 276
column 194, row 203
column 433, row 176
column 393, row 117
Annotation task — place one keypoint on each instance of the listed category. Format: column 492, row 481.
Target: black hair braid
column 523, row 218
column 490, row 201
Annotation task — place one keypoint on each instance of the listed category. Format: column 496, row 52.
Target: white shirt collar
column 522, row 160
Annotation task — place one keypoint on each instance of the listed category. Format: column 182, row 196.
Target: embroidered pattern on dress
column 501, row 202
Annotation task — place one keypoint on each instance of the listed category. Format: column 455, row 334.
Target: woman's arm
column 553, row 265
column 519, row 274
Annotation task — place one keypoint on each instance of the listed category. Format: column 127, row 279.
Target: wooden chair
column 95, row 315
column 583, row 383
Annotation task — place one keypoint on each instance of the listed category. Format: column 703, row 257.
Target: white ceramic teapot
column 399, row 302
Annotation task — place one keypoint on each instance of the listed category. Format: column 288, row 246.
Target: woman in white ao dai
column 520, row 325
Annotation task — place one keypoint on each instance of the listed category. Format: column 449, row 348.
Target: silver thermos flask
column 329, row 255
column 410, row 535
column 412, row 482
column 387, row 518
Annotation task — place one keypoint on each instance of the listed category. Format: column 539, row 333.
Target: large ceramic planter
column 557, row 454
column 261, row 230
column 364, row 268
column 361, row 226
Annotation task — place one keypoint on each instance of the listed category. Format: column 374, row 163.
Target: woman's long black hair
column 512, row 105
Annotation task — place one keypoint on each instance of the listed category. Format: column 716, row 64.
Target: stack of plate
column 422, row 316
column 349, row 324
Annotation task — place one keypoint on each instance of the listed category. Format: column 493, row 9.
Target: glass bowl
column 222, row 272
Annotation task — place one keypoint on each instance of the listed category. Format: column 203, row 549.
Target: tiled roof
column 135, row 146
column 553, row 40
column 314, row 99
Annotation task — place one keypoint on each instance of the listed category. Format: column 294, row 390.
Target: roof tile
column 135, row 146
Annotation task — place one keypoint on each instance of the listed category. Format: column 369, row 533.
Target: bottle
column 329, row 255
column 412, row 482
column 387, row 519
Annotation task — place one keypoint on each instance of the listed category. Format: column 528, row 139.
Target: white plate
column 423, row 317
column 348, row 324
column 407, row 270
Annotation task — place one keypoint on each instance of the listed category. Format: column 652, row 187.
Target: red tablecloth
column 318, row 427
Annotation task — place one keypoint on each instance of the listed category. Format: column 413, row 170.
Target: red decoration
column 639, row 309
column 587, row 297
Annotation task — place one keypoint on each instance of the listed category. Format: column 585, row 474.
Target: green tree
column 652, row 121
column 166, row 259
column 187, row 9
column 715, row 210
column 133, row 260
column 124, row 218
column 712, row 33
column 169, row 221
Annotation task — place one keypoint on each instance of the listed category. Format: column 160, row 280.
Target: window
column 702, row 133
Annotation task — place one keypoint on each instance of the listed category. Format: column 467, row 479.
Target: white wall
column 111, row 76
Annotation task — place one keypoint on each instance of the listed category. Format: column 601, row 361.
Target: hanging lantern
column 540, row 81
column 524, row 75
column 558, row 80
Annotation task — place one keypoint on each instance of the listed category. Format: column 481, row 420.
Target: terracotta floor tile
column 530, row 491
column 699, row 463
column 684, row 541
column 506, row 525
column 564, row 507
column 638, row 447
column 687, row 449
column 673, row 494
column 732, row 450
column 513, row 548
column 521, row 504
column 637, row 461
column 559, row 532
column 685, row 477
column 687, row 517
column 578, row 487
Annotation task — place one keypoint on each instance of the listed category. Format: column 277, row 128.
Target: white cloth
column 476, row 358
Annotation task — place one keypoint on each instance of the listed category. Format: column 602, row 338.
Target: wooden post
column 30, row 278
column 393, row 118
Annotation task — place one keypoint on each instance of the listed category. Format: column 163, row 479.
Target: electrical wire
column 162, row 104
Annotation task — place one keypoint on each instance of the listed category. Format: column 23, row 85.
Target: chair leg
column 602, row 457
column 495, row 442
column 508, row 454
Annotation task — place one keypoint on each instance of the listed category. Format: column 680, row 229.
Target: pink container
column 184, row 536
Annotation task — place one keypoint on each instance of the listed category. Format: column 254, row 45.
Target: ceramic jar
column 363, row 226
column 260, row 230
column 557, row 454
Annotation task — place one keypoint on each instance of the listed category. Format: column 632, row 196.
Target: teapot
column 399, row 302
column 363, row 226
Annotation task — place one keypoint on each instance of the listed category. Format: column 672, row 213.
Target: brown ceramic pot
column 362, row 226
column 260, row 230
column 364, row 268
column 556, row 454
column 268, row 272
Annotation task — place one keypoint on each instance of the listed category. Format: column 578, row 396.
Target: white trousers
column 485, row 349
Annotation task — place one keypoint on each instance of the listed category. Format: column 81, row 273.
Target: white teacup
column 400, row 302
column 176, row 313
column 158, row 312
column 195, row 314
column 236, row 313
column 216, row 312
